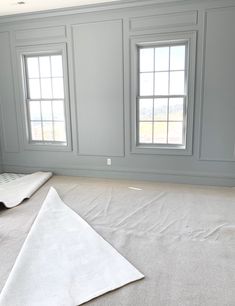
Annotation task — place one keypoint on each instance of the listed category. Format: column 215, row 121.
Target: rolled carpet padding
column 9, row 177
column 64, row 262
column 15, row 191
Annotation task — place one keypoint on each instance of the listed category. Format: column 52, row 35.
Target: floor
column 181, row 237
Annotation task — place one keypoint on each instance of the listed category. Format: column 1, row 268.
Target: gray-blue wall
column 98, row 48
column 1, row 166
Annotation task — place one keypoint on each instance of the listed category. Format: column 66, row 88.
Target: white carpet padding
column 9, row 177
column 64, row 262
column 15, row 191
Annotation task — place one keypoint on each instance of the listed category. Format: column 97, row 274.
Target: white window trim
column 37, row 51
column 150, row 40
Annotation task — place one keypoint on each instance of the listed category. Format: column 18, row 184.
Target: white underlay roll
column 14, row 192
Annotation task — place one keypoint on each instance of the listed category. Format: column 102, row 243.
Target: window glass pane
column 161, row 83
column 34, row 89
column 177, row 59
column 146, row 84
column 160, row 109
column 146, row 60
column 58, row 110
column 58, row 88
column 177, row 83
column 48, row 131
column 36, row 130
column 46, row 88
column 32, row 67
column 145, row 132
column 59, row 131
column 35, row 111
column 161, row 58
column 56, row 66
column 45, row 66
column 146, row 109
column 175, row 132
column 46, row 110
column 160, row 132
column 176, row 109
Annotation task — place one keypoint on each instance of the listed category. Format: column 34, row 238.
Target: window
column 162, row 91
column 162, row 94
column 45, row 97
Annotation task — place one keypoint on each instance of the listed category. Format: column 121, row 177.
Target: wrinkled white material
column 64, row 262
column 14, row 192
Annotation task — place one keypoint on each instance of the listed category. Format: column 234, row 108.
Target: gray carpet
column 182, row 238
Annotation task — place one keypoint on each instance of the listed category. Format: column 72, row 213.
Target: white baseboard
column 182, row 178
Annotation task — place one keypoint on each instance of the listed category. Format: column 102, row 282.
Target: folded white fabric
column 64, row 262
column 14, row 192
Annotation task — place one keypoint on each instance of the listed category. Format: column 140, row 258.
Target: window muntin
column 45, row 98
column 162, row 94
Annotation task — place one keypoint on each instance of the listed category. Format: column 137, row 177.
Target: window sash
column 29, row 121
column 184, row 121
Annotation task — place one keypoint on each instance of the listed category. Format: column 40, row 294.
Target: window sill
column 160, row 150
column 48, row 147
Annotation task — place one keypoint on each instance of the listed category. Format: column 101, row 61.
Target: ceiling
column 10, row 7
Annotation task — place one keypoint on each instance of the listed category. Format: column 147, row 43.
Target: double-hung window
column 45, row 98
column 162, row 95
column 45, row 95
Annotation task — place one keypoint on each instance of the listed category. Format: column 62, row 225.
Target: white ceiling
column 9, row 7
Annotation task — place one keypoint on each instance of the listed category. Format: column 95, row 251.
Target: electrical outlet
column 109, row 162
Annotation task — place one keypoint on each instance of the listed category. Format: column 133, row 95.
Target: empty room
column 117, row 153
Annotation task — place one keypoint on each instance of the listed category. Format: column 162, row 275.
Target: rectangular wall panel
column 164, row 21
column 98, row 58
column 218, row 121
column 40, row 34
column 7, row 101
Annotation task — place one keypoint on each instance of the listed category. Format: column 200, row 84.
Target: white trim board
column 215, row 179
